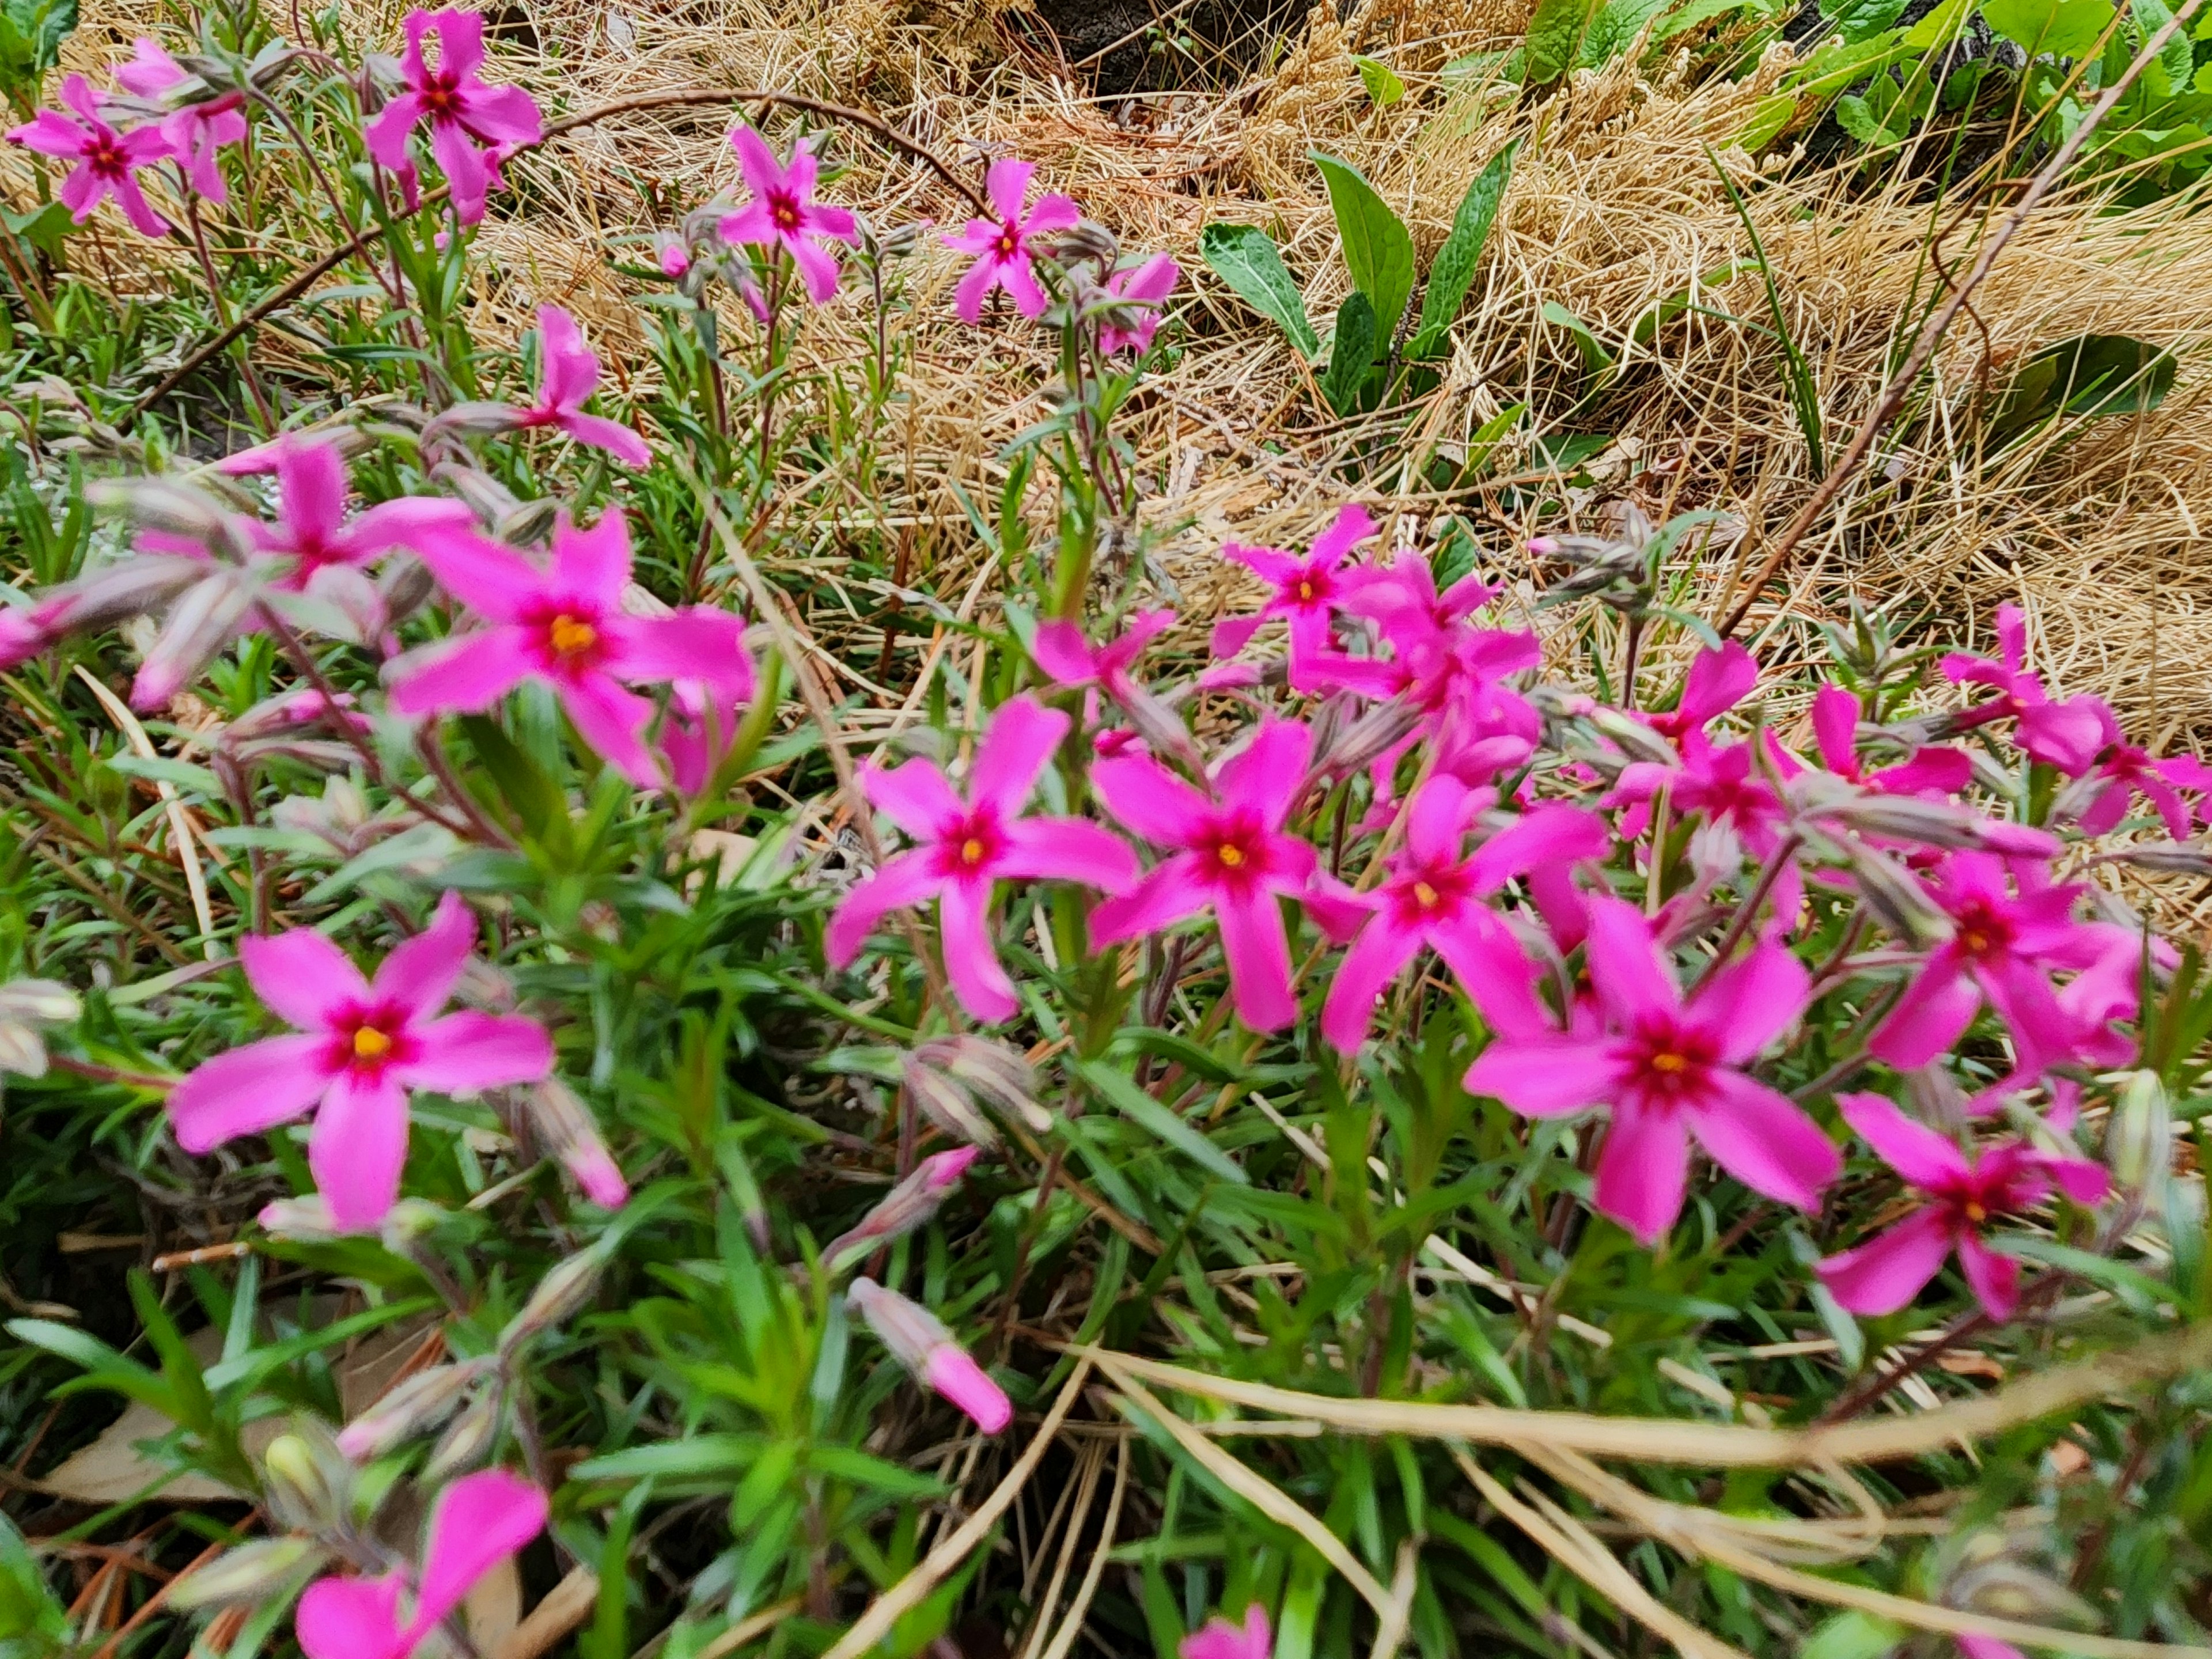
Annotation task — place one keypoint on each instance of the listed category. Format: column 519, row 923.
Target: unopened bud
column 564, row 1124
column 917, row 1339
column 416, row 1406
column 1089, row 240
column 1638, row 740
column 473, row 420
column 198, row 625
column 2139, row 1136
column 1934, row 824
column 906, row 1207
column 170, row 508
column 470, row 1441
column 1900, row 904
column 405, row 585
column 566, row 1286
column 946, row 1104
column 253, row 1572
column 307, row 1485
column 109, row 595
column 2179, row 858
column 47, row 1001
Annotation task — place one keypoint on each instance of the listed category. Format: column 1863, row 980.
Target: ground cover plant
column 696, row 960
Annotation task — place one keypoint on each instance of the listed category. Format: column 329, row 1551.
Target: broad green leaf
column 1554, row 40
column 1384, row 87
column 1859, row 20
column 1768, row 117
column 1682, row 19
column 2175, row 66
column 2062, row 28
column 1596, row 358
column 1452, row 272
column 1245, row 258
column 1852, row 1634
column 1118, row 1089
column 1378, row 249
column 1351, row 353
column 1939, row 26
column 1615, row 29
column 2091, row 375
column 1855, row 116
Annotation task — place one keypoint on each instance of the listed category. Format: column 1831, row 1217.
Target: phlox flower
column 1305, row 593
column 2122, row 771
column 196, row 131
column 1143, row 289
column 1723, row 783
column 2066, row 735
column 1929, row 771
column 1220, row 1639
column 564, row 628
column 464, row 111
column 2003, row 948
column 963, row 846
column 701, row 723
column 784, row 215
column 1671, row 1069
column 363, row 1045
column 1965, row 1196
column 1718, row 681
column 568, row 374
column 1434, row 896
column 1231, row 855
column 478, row 1521
column 1070, row 659
column 906, row 1207
column 1005, row 253
column 311, row 529
column 917, row 1339
column 107, row 161
column 1441, row 664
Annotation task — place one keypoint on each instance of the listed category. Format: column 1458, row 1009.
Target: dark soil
column 1114, row 45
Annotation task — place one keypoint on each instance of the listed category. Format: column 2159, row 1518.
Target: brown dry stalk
column 1900, row 384
column 566, row 1605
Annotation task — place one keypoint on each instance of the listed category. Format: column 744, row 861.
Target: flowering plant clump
column 690, row 1070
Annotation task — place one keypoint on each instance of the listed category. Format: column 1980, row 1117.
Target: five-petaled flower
column 198, row 131
column 568, row 374
column 783, row 213
column 311, row 531
column 2065, row 734
column 1004, row 250
column 1306, row 594
column 1965, row 1196
column 464, row 111
column 1929, row 771
column 565, row 628
column 1143, row 289
column 108, row 160
column 1671, row 1069
column 362, row 1046
column 477, row 1523
column 963, row 846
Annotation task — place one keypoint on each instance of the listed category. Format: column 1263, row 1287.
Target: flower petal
column 1886, row 1272
column 1007, row 184
column 1994, row 1279
column 1751, row 1001
column 466, row 676
column 1938, row 1005
column 1151, row 802
column 248, row 1090
column 612, row 721
column 1643, row 1171
column 695, row 643
column 971, row 960
column 905, row 880
column 599, row 433
column 594, row 561
column 1916, row 1152
column 1259, row 956
column 959, row 1379
column 1547, row 1078
column 914, row 796
column 1375, row 958
column 1627, row 970
column 1068, row 849
column 1168, row 894
column 350, row 1618
column 468, row 1052
column 359, row 1147
column 1268, row 774
column 1763, row 1140
column 420, row 973
column 480, row 1520
column 1014, row 752
column 302, row 975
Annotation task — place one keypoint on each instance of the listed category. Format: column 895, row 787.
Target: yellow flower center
column 1305, row 592
column 1976, row 1213
column 1009, row 243
column 971, row 851
column 1975, row 943
column 1669, row 1063
column 370, row 1043
column 1425, row 894
column 569, row 635
column 1232, row 856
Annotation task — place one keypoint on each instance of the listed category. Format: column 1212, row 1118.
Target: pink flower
column 1722, row 784
column 2066, row 735
column 311, row 528
column 477, row 1523
column 1885, row 1273
column 564, row 628
column 106, row 161
column 567, row 374
column 1005, row 256
column 1718, row 681
column 919, row 1342
column 907, row 1206
column 196, row 131
column 1062, row 651
column 463, row 111
column 1143, row 289
column 1307, row 592
column 1222, row 1640
column 701, row 723
column 1433, row 896
column 1232, row 855
column 963, row 846
column 2003, row 948
column 1671, row 1070
column 2122, row 771
column 362, row 1046
column 674, row 256
column 783, row 213
column 1835, row 731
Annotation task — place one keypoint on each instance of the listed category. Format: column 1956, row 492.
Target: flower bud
column 253, row 1572
column 1090, row 240
column 917, row 1339
column 25, row 1005
column 198, row 625
column 470, row 1441
column 564, row 1124
column 946, row 1104
column 566, row 1286
column 2179, row 858
column 415, row 1407
column 905, row 1208
column 472, row 420
column 1638, row 740
column 1936, row 824
column 2139, row 1135
column 307, row 1483
column 109, row 595
column 1900, row 902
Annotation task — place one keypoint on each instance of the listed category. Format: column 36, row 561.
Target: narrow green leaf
column 1452, row 272
column 1596, row 358
column 1120, row 1091
column 1245, row 258
column 1351, row 356
column 1378, row 249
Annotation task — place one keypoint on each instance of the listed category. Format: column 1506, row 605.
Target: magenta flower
column 107, row 161
column 674, row 256
column 1307, row 592
column 919, row 1342
column 463, row 110
column 1671, row 1070
column 1144, row 289
column 311, row 528
column 1722, row 784
column 565, row 628
column 568, row 374
column 1232, row 854
column 2066, row 735
column 783, row 213
column 1070, row 659
column 1886, row 1272
column 197, row 132
column 1718, row 681
column 1929, row 771
column 363, row 1045
column 1005, row 254
column 2122, row 771
column 477, row 1523
column 702, row 724
column 1433, row 896
column 1222, row 1640
column 961, row 847
column 2003, row 948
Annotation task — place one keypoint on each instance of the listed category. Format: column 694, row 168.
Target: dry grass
column 1615, row 207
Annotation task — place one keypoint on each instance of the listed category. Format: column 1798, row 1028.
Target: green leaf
column 1615, row 29
column 1857, row 20
column 1596, row 358
column 1768, row 117
column 1244, row 257
column 1378, row 249
column 1381, row 82
column 104, row 1367
column 1452, row 272
column 41, row 26
column 528, row 794
column 45, row 228
column 1852, row 1634
column 699, row 1456
column 2176, row 63
column 1119, row 1090
column 1351, row 354
column 1939, row 25
column 2090, row 375
column 1857, row 116
column 2062, row 28
column 1554, row 40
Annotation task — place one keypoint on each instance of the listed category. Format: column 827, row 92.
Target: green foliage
column 1378, row 249
column 1245, row 258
